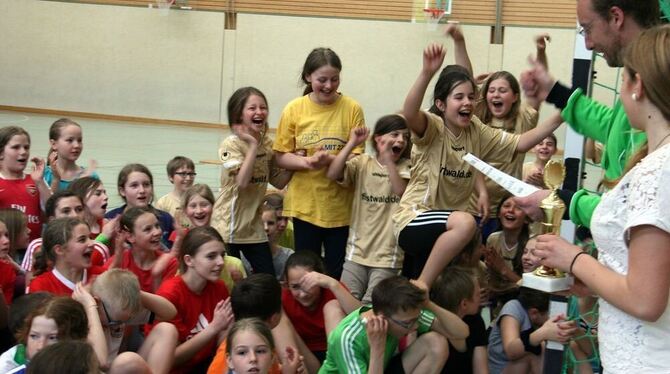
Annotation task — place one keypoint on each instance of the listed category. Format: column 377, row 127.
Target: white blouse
column 642, row 197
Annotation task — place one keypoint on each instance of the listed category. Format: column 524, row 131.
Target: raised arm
column 96, row 335
column 38, row 177
column 541, row 49
column 119, row 249
column 246, row 171
column 161, row 269
column 461, row 56
column 376, row 328
column 541, row 61
column 357, row 137
column 533, row 136
column 55, row 170
column 344, row 297
column 433, row 57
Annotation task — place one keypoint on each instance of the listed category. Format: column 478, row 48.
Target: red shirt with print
column 194, row 313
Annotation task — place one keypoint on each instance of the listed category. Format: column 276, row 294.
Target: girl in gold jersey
column 431, row 227
column 248, row 166
column 379, row 180
column 499, row 105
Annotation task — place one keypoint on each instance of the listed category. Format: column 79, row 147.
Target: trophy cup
column 545, row 278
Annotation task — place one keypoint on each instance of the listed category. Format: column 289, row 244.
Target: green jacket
column 610, row 127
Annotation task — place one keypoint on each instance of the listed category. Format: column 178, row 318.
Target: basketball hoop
column 164, row 6
column 433, row 17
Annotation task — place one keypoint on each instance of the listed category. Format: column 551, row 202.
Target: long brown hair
column 649, row 56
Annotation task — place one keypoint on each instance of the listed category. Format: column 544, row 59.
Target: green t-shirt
column 348, row 348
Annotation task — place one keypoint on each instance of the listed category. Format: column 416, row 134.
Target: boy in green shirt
column 366, row 341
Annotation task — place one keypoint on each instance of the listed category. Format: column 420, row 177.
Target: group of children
column 192, row 282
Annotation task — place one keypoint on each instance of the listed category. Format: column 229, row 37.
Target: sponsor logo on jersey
column 392, row 199
column 31, row 189
column 455, row 173
column 199, row 326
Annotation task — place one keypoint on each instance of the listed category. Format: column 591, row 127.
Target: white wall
column 138, row 62
column 113, row 60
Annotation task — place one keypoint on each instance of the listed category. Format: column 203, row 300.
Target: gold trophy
column 545, row 278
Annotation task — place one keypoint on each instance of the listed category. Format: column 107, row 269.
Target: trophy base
column 547, row 284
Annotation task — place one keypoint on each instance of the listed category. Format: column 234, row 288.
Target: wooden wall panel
column 553, row 13
column 560, row 13
column 400, row 10
column 482, row 12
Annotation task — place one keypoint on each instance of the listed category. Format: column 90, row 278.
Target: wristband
column 101, row 238
column 575, row 259
column 525, row 339
column 559, row 95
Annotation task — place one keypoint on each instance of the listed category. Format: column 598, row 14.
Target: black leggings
column 309, row 237
column 258, row 255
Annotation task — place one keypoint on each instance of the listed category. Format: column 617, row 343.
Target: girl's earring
column 634, row 96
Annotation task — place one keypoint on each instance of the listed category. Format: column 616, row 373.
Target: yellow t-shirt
column 440, row 179
column 237, row 212
column 172, row 205
column 498, row 283
column 526, row 120
column 371, row 241
column 305, row 125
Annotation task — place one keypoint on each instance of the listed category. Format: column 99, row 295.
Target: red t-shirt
column 100, row 254
column 144, row 275
column 23, row 195
column 56, row 283
column 7, row 281
column 310, row 325
column 194, row 312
